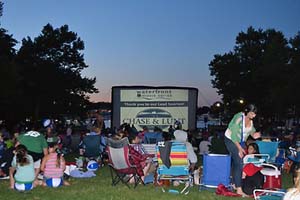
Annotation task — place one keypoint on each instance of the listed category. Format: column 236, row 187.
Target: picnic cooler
column 272, row 177
column 216, row 170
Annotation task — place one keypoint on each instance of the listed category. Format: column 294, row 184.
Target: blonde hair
column 297, row 184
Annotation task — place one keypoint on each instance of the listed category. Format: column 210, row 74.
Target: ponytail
column 58, row 159
column 21, row 154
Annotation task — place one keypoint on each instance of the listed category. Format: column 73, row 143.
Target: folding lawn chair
column 271, row 187
column 120, row 168
column 260, row 194
column 175, row 166
column 272, row 171
column 93, row 148
column 256, row 159
column 267, row 159
column 151, row 149
column 269, row 148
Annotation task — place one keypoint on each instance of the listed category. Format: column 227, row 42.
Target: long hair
column 21, row 154
column 58, row 159
column 250, row 108
column 59, row 154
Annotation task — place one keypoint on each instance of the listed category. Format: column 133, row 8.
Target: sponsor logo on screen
column 154, row 94
column 153, row 117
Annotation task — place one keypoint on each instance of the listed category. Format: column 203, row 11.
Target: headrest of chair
column 117, row 143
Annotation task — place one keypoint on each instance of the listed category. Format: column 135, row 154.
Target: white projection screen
column 154, row 106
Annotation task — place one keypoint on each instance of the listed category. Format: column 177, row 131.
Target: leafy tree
column 8, row 73
column 203, row 110
column 50, row 67
column 1, row 8
column 294, row 81
column 257, row 70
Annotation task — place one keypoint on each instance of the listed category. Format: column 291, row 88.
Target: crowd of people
column 29, row 152
column 37, row 149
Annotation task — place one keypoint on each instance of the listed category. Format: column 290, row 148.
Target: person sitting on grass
column 21, row 172
column 2, row 145
column 294, row 193
column 53, row 166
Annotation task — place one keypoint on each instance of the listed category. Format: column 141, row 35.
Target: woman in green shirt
column 239, row 128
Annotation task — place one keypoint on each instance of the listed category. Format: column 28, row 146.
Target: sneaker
column 40, row 177
column 4, row 177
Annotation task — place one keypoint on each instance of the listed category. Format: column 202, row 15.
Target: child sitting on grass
column 53, row 166
column 21, row 172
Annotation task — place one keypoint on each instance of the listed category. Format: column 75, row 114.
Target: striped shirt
column 51, row 170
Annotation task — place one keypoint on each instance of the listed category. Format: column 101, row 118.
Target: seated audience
column 92, row 144
column 204, row 145
column 53, row 166
column 21, row 172
column 181, row 136
column 136, row 158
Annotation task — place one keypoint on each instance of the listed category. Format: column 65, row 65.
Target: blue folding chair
column 152, row 138
column 269, row 148
column 92, row 146
column 277, row 155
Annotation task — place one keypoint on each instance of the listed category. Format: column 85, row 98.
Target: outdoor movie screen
column 154, row 106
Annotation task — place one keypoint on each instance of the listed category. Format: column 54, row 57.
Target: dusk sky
column 152, row 42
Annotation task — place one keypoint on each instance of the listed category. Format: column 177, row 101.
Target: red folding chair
column 120, row 168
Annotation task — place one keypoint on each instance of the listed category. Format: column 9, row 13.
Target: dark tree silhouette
column 1, row 8
column 294, row 80
column 261, row 69
column 8, row 73
column 50, row 67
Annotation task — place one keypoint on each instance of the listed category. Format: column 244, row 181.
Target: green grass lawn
column 99, row 187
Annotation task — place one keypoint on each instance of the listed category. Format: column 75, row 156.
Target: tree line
column 263, row 68
column 43, row 76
